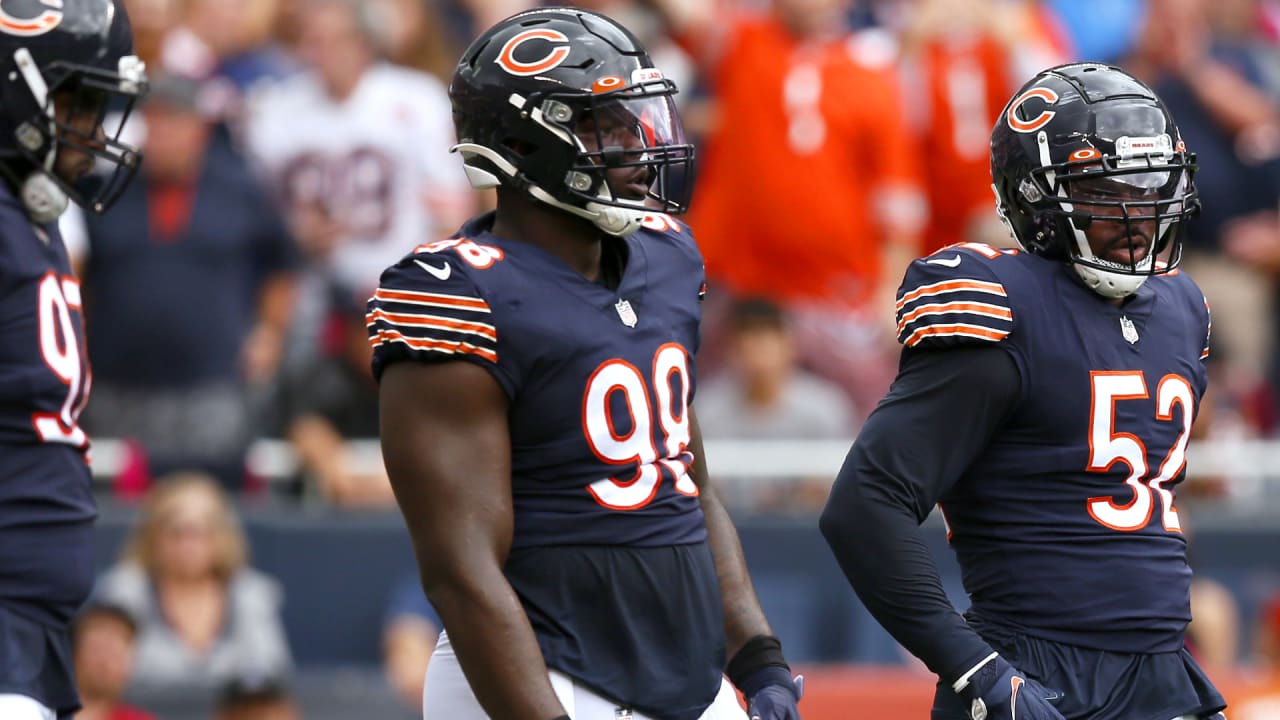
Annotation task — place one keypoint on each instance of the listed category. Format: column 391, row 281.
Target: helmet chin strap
column 1113, row 285
column 1109, row 284
column 44, row 200
column 617, row 221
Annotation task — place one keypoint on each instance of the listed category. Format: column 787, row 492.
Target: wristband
column 759, row 652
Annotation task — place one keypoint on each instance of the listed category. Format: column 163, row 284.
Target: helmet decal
column 50, row 17
column 558, row 53
column 606, row 83
column 1039, row 121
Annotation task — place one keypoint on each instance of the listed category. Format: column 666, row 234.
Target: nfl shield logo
column 1130, row 332
column 622, row 713
column 626, row 313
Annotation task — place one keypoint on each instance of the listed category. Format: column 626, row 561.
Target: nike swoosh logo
column 440, row 273
column 953, row 262
column 1015, row 681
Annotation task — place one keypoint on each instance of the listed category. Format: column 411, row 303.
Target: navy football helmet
column 1086, row 146
column 555, row 101
column 78, row 53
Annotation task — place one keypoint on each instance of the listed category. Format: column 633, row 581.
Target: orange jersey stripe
column 994, row 311
column 946, row 286
column 973, row 331
column 446, row 346
column 432, row 321
column 422, row 298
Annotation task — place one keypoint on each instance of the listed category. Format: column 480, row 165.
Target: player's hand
column 1010, row 696
column 772, row 694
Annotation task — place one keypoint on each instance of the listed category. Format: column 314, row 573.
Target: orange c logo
column 48, row 19
column 1039, row 121
column 559, row 52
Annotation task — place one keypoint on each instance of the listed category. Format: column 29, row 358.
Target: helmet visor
column 633, row 144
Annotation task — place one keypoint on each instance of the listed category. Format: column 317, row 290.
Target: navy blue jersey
column 600, row 382
column 1065, row 525
column 45, row 484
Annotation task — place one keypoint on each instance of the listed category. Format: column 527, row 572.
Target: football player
column 537, row 377
column 1044, row 401
column 62, row 67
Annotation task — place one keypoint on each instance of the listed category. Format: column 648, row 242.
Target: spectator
column 333, row 399
column 187, row 295
column 227, row 45
column 250, row 698
column 809, row 192
column 102, row 646
column 764, row 396
column 358, row 151
column 205, row 618
column 410, row 629
column 962, row 59
column 1218, row 97
column 415, row 37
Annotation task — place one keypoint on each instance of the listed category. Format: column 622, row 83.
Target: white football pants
column 21, row 707
column 447, row 695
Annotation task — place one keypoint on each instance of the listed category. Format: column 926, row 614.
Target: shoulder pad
column 428, row 307
column 954, row 297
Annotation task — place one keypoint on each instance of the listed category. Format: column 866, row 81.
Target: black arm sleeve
column 943, row 409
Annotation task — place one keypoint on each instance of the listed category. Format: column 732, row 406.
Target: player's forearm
column 743, row 618
column 885, row 560
column 495, row 644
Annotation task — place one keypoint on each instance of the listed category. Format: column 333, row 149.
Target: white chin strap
column 44, row 200
column 618, row 221
column 1109, row 284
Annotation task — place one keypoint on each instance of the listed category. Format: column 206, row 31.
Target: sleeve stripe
column 437, row 322
column 434, row 299
column 959, row 306
column 948, row 286
column 958, row 329
column 444, row 346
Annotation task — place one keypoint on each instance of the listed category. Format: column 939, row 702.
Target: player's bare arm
column 447, row 450
column 743, row 618
column 756, row 665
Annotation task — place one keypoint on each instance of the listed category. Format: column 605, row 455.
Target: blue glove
column 772, row 694
column 996, row 691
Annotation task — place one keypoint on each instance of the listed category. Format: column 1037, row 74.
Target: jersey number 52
column 1107, row 447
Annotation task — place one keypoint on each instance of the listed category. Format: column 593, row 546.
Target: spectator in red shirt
column 102, row 648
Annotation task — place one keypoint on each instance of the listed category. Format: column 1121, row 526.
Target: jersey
column 376, row 162
column 609, row 554
column 1065, row 525
column 46, row 500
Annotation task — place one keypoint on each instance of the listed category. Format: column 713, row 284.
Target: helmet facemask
column 77, row 129
column 611, row 156
column 1114, row 214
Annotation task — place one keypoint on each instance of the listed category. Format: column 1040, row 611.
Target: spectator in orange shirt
column 808, row 190
column 962, row 59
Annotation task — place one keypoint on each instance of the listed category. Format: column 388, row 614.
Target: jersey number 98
column 636, row 446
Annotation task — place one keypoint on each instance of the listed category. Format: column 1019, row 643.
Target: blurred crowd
column 294, row 148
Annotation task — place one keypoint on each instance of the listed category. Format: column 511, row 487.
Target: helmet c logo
column 559, row 52
column 1028, row 126
column 49, row 18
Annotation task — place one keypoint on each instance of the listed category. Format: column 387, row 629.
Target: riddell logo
column 1046, row 95
column 28, row 18
column 557, row 52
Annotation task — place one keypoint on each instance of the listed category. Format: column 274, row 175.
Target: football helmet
column 1088, row 150
column 556, row 101
column 78, row 52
